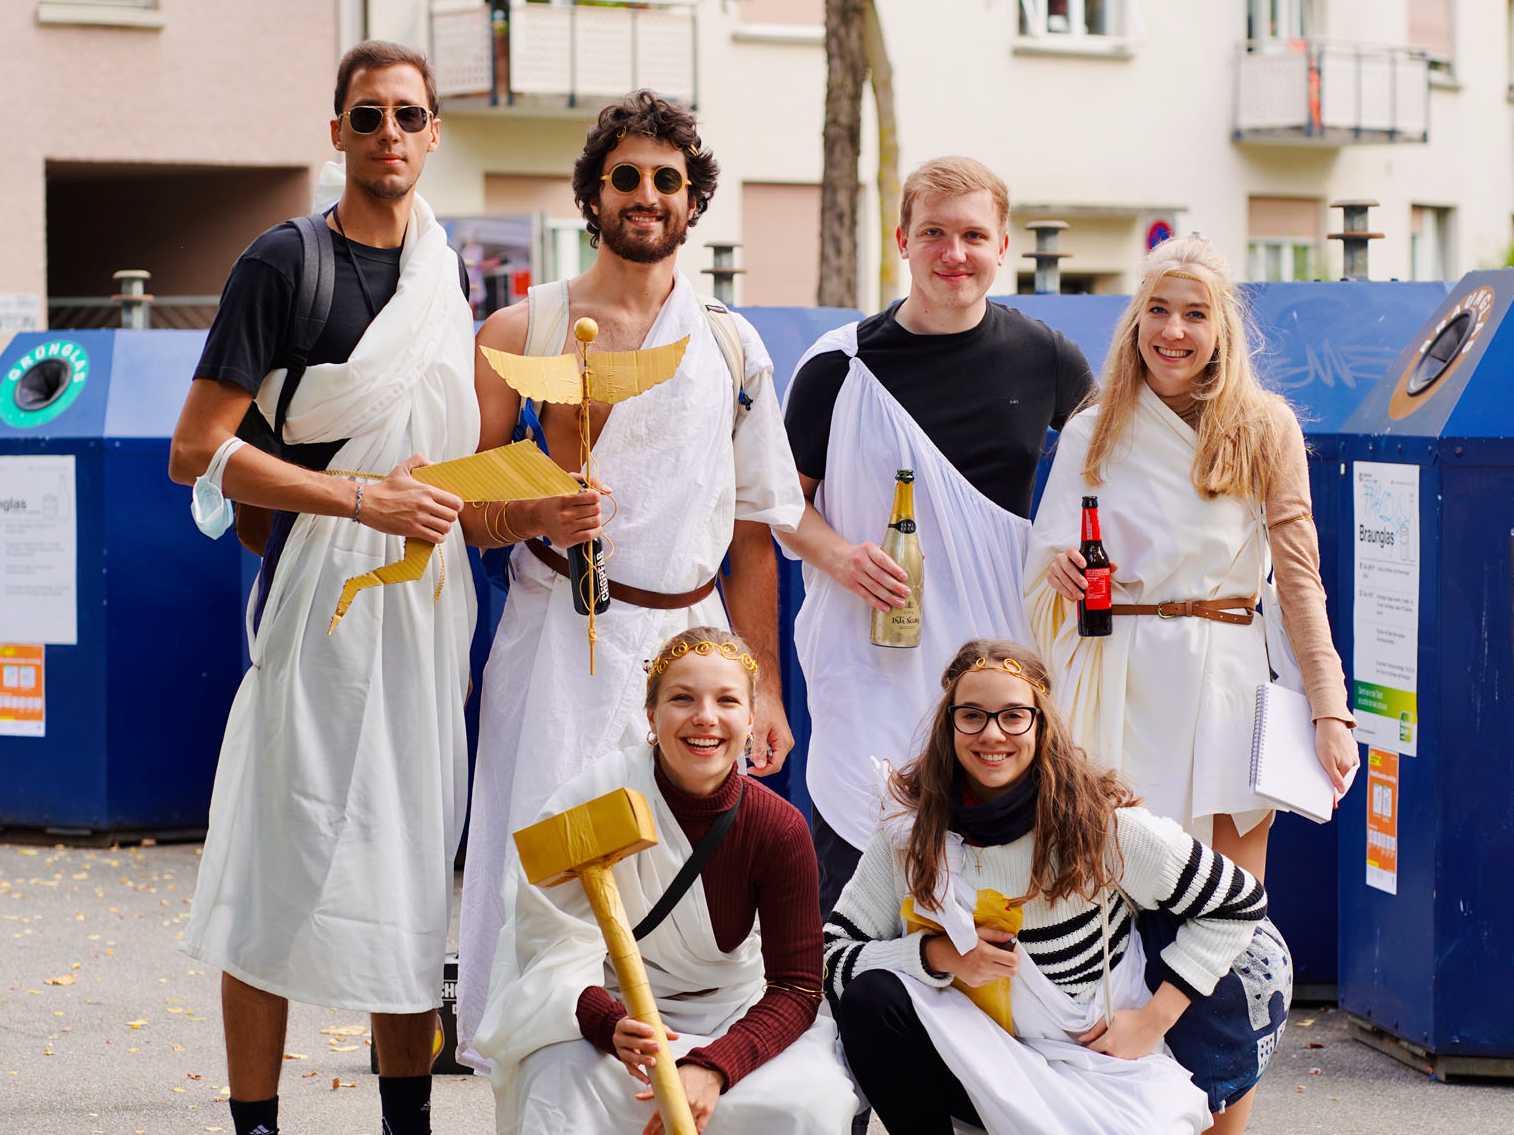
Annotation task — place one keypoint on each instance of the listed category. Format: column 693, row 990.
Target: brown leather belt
column 655, row 600
column 1239, row 611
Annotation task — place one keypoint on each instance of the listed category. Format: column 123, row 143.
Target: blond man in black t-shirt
column 982, row 383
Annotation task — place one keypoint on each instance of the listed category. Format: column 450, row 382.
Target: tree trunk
column 881, row 72
column 845, row 70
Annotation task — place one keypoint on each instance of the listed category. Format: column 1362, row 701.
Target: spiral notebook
column 1284, row 767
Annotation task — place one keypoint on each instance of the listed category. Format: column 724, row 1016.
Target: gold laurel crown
column 672, row 654
column 1009, row 666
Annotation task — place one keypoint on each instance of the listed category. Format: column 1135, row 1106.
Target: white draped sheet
column 1167, row 702
column 869, row 704
column 681, row 477
column 342, row 782
column 548, row 1079
column 1041, row 1080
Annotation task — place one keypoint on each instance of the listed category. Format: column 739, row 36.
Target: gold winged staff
column 510, row 472
column 581, row 378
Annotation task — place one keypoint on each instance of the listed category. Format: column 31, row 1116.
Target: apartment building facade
column 1240, row 119
column 183, row 129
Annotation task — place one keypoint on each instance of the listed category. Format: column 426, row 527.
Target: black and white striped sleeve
column 1220, row 903
column 865, row 931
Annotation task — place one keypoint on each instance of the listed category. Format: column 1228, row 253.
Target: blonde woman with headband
column 1203, row 486
column 741, row 1004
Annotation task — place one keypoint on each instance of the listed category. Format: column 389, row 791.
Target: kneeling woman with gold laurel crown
column 740, row 1006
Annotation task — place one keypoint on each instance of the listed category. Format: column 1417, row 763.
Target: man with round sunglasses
column 699, row 467
column 342, row 782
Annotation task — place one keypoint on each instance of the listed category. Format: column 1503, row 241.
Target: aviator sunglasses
column 367, row 119
column 626, row 178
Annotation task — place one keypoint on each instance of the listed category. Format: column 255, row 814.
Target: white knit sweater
column 1164, row 868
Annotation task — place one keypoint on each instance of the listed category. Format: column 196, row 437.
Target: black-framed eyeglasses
column 626, row 178
column 367, row 119
column 1013, row 719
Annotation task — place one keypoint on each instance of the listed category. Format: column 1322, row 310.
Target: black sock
column 255, row 1117
column 406, row 1102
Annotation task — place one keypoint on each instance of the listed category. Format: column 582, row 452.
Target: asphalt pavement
column 107, row 1029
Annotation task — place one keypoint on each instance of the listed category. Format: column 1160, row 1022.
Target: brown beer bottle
column 1095, row 619
column 900, row 626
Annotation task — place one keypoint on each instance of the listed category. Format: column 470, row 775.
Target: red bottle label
column 1096, row 598
column 1091, row 524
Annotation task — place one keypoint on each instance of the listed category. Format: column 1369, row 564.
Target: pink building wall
column 222, row 83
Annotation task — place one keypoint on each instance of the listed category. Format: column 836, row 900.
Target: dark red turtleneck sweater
column 765, row 867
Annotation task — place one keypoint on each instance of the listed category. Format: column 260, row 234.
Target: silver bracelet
column 357, row 504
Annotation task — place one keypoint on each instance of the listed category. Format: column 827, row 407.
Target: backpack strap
column 312, row 306
column 691, row 867
column 728, row 339
column 546, row 330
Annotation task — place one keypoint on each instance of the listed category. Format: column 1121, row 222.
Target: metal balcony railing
column 518, row 53
column 1330, row 93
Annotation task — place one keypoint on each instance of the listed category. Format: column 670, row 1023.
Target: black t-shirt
column 985, row 397
column 250, row 334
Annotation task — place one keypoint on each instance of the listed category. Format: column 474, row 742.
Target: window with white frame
column 1283, row 19
column 1430, row 253
column 1283, row 238
column 1281, row 260
column 1075, row 19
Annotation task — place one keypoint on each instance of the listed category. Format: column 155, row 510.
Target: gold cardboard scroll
column 511, row 472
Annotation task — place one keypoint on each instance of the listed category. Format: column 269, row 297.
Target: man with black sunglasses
column 700, row 467
column 341, row 788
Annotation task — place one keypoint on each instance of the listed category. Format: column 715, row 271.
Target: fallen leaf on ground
column 194, row 1075
column 294, row 1056
column 345, row 1047
column 338, row 1082
column 1314, row 1044
column 344, row 1030
column 62, row 979
column 136, row 1024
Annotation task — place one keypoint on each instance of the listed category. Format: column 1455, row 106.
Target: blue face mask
column 211, row 510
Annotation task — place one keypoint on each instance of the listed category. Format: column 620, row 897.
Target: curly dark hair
column 643, row 112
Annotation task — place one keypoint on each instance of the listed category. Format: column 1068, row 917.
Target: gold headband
column 1179, row 274
column 1009, row 666
column 727, row 650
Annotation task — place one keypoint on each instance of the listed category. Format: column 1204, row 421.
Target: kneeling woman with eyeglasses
column 740, row 1002
column 983, row 962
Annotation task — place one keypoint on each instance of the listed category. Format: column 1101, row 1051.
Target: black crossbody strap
column 312, row 306
column 691, row 868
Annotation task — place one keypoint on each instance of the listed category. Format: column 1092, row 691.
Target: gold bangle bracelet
column 504, row 520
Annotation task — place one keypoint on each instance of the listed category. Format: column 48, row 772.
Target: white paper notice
column 1386, row 609
column 39, row 596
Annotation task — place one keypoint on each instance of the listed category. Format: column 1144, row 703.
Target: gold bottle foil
column 900, row 626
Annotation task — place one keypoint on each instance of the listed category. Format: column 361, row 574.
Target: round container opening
column 1435, row 360
column 43, row 384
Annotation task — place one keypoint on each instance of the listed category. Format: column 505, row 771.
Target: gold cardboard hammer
column 585, row 843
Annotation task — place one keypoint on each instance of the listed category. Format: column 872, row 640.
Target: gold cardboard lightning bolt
column 584, row 377
column 511, row 472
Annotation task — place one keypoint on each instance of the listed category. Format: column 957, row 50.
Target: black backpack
column 312, row 305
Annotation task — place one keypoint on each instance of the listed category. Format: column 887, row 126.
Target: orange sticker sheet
column 23, row 703
column 1382, row 820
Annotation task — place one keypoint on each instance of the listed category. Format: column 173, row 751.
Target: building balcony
column 560, row 57
column 1326, row 93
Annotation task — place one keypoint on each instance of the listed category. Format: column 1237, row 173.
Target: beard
column 640, row 248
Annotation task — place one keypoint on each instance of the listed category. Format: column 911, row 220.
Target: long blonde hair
column 1237, row 432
